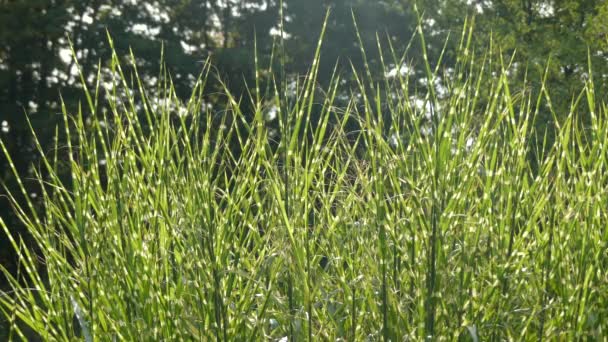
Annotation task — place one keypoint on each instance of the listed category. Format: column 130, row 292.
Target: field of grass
column 434, row 213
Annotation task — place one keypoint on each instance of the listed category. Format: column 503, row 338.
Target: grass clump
column 408, row 212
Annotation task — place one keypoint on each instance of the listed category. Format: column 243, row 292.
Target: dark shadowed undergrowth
column 401, row 212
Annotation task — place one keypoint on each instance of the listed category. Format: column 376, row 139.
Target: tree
column 539, row 33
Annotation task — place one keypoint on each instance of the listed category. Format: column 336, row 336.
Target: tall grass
column 446, row 219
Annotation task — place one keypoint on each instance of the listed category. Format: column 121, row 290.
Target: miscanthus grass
column 404, row 212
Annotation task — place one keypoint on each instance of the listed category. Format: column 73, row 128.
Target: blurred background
column 37, row 68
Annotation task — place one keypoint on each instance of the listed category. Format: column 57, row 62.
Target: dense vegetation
column 420, row 209
column 35, row 66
